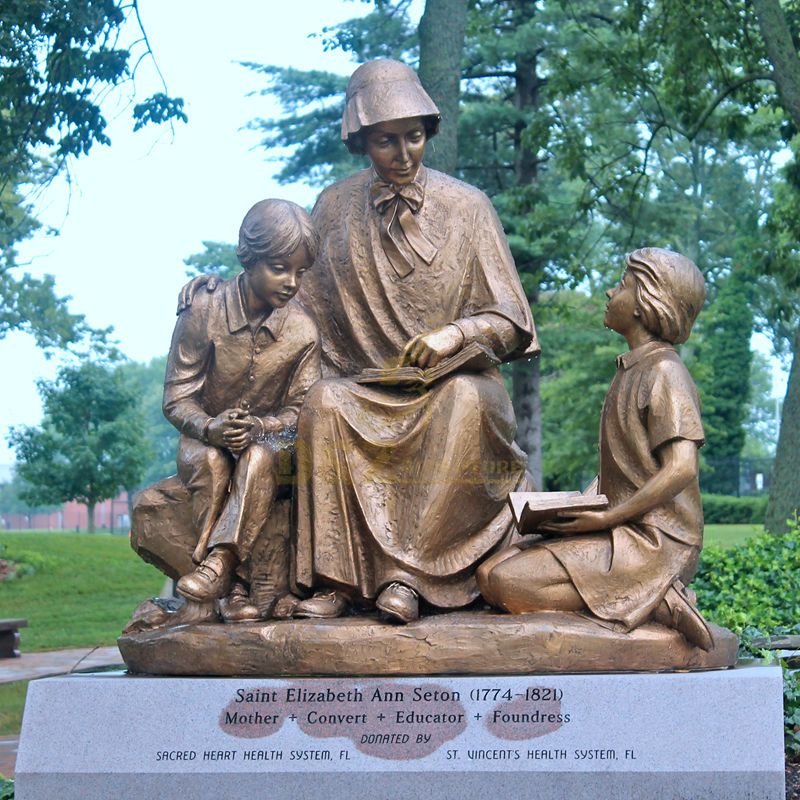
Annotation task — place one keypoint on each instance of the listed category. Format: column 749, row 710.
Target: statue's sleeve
column 672, row 406
column 307, row 373
column 496, row 312
column 186, row 371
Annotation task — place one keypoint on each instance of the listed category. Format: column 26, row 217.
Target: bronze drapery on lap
column 395, row 485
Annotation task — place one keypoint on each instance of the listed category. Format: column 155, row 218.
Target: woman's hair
column 274, row 229
column 670, row 292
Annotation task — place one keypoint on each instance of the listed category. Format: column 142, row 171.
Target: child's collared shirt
column 652, row 400
column 216, row 361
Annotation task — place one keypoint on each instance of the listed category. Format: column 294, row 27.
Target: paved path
column 57, row 662
column 30, row 666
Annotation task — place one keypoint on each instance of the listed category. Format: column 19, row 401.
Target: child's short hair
column 274, row 229
column 670, row 292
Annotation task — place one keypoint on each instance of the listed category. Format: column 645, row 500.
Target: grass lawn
column 730, row 535
column 83, row 591
column 12, row 701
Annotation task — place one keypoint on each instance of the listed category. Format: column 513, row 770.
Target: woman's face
column 396, row 148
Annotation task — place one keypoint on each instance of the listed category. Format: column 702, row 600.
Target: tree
column 146, row 383
column 11, row 501
column 594, row 127
column 313, row 101
column 727, row 327
column 90, row 443
column 781, row 296
column 779, row 38
column 761, row 425
column 441, row 47
column 217, row 258
column 578, row 363
column 59, row 58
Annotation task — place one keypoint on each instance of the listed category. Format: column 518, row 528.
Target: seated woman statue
column 629, row 563
column 401, row 495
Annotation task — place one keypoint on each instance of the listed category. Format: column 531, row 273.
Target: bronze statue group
column 397, row 496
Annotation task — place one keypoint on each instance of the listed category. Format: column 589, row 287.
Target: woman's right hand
column 188, row 292
column 428, row 349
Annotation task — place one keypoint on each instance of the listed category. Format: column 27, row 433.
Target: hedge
column 723, row 509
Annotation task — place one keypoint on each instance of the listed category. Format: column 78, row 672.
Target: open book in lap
column 532, row 509
column 473, row 358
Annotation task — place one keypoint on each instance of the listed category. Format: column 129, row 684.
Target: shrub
column 754, row 585
column 754, row 589
column 723, row 509
column 21, row 563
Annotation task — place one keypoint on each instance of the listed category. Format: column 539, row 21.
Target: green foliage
column 146, row 382
column 217, row 258
column 89, row 445
column 754, row 589
column 59, row 59
column 24, row 563
column 761, row 425
column 781, row 297
column 754, row 585
column 58, row 56
column 731, row 510
column 725, row 346
column 12, row 703
column 578, row 364
column 11, row 501
column 313, row 100
column 84, row 595
column 6, row 789
column 791, row 711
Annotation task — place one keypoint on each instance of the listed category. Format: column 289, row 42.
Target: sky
column 130, row 213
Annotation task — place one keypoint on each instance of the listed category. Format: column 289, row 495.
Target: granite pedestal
column 712, row 735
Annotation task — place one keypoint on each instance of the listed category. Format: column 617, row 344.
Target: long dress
column 396, row 485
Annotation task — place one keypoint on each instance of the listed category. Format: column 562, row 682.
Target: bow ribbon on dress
column 397, row 206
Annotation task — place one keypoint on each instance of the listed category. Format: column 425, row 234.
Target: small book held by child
column 473, row 358
column 531, row 509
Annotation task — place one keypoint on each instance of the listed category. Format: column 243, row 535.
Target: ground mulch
column 793, row 780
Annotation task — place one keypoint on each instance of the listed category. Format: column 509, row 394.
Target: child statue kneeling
column 629, row 563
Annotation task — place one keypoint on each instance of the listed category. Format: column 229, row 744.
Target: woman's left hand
column 428, row 349
column 579, row 522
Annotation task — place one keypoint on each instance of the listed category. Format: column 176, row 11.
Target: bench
column 9, row 637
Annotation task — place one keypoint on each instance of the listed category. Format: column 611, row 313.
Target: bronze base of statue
column 458, row 643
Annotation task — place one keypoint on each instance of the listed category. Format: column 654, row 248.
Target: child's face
column 621, row 305
column 275, row 283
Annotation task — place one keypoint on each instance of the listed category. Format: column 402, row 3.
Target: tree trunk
column 441, row 45
column 90, row 523
column 784, row 494
column 781, row 52
column 526, row 376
